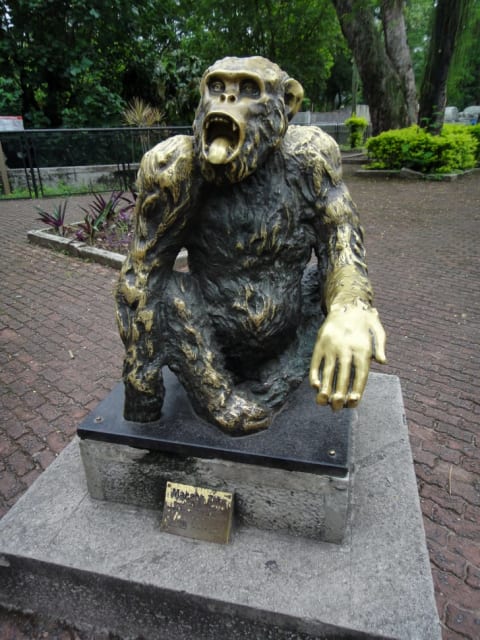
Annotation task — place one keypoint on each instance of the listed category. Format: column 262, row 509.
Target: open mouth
column 221, row 126
column 221, row 138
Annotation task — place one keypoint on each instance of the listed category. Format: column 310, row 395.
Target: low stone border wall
column 75, row 248
column 83, row 250
column 409, row 174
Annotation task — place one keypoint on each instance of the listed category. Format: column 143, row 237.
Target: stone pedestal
column 293, row 478
column 105, row 565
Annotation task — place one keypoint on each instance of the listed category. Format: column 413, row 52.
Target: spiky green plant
column 141, row 114
column 54, row 219
column 103, row 211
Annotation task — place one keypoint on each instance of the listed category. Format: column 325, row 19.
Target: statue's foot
column 240, row 416
column 274, row 390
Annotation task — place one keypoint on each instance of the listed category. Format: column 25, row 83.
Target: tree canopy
column 77, row 63
column 71, row 63
column 302, row 36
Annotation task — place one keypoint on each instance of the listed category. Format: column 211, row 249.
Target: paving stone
column 10, row 485
column 446, row 560
column 448, row 584
column 472, row 513
column 472, row 465
column 470, row 490
column 473, row 579
column 466, row 623
column 463, row 546
column 434, row 532
column 442, row 451
column 21, row 462
column 45, row 457
column 425, row 458
column 57, row 441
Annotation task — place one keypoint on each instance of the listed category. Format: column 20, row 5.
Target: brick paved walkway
column 60, row 354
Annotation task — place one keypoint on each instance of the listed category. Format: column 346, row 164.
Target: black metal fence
column 35, row 152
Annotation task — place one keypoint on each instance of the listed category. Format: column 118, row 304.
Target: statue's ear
column 293, row 97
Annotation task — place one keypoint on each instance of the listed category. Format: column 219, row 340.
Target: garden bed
column 75, row 248
column 70, row 246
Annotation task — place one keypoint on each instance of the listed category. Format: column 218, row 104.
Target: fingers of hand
column 343, row 378
column 341, row 357
column 336, row 384
column 379, row 341
column 326, row 386
column 315, row 365
column 353, row 400
column 322, row 398
column 359, row 381
column 323, row 363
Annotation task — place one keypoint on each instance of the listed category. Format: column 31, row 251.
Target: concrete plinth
column 108, row 566
column 293, row 478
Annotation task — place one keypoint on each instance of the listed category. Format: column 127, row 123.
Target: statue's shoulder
column 313, row 149
column 167, row 163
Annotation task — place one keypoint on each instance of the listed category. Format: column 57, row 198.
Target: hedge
column 455, row 150
column 356, row 127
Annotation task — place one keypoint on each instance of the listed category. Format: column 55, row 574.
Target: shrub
column 356, row 131
column 413, row 148
column 475, row 132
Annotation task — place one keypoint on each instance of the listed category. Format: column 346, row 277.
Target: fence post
column 3, row 171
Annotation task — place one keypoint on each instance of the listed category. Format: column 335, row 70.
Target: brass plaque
column 195, row 512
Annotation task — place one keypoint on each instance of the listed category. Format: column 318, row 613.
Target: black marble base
column 303, row 437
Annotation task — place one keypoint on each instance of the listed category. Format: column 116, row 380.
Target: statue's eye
column 216, row 86
column 250, row 88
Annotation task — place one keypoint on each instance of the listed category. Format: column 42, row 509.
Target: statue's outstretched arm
column 352, row 333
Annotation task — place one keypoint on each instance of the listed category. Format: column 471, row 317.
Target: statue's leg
column 195, row 356
column 140, row 330
column 144, row 390
column 284, row 373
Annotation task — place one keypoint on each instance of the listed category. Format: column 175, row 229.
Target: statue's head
column 244, row 110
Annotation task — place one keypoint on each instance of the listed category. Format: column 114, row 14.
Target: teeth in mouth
column 221, row 120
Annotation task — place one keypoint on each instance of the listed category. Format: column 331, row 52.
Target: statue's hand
column 350, row 336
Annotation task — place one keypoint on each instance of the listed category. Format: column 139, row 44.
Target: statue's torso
column 248, row 248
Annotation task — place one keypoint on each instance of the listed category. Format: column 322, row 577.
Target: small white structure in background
column 331, row 117
column 451, row 114
column 11, row 123
column 469, row 115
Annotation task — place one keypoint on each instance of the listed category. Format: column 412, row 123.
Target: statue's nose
column 228, row 97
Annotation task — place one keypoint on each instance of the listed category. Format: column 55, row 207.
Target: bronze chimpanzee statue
column 250, row 200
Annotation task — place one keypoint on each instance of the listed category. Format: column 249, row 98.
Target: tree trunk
column 448, row 20
column 384, row 86
column 395, row 35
